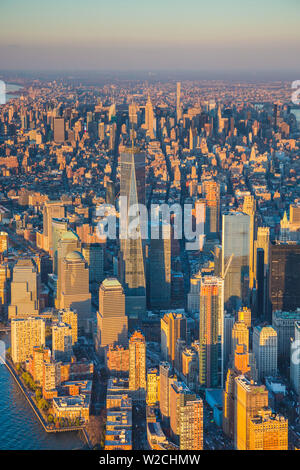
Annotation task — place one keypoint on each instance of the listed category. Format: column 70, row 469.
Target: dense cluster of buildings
column 182, row 320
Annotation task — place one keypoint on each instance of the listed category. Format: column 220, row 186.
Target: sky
column 247, row 35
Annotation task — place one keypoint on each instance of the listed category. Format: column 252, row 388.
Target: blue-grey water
column 10, row 88
column 19, row 427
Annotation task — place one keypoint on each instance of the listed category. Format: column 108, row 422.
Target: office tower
column 3, row 242
column 132, row 187
column 193, row 297
column 178, row 104
column 70, row 317
column 189, row 367
column 74, row 287
column 250, row 398
column 186, row 417
column 152, row 387
column 229, row 321
column 241, row 363
column 62, row 342
column 249, row 207
column 244, row 315
column 160, row 271
column 294, row 222
column 260, row 283
column 94, row 256
column 25, row 290
column 137, row 365
column 268, row 431
column 149, row 118
column 39, row 356
column 295, row 360
column 166, row 378
column 133, row 111
column 284, row 325
column 68, row 242
column 240, row 335
column 284, row 274
column 173, row 327
column 235, row 269
column 25, row 335
column 265, row 351
column 51, row 209
column 211, row 332
column 211, row 192
column 59, row 228
column 112, row 324
column 179, row 348
column 262, row 241
column 59, row 129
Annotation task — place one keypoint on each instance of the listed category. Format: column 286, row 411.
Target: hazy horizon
column 159, row 35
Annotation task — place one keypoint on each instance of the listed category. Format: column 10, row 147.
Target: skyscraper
column 25, row 290
column 160, row 271
column 236, row 242
column 173, row 327
column 149, row 118
column 51, row 209
column 284, row 276
column 211, row 332
column 74, row 287
column 211, row 191
column 295, row 360
column 112, row 322
column 265, row 351
column 59, row 227
column 268, row 431
column 240, row 335
column 137, row 365
column 59, row 129
column 94, row 256
column 249, row 207
column 132, row 187
column 178, row 103
column 166, row 380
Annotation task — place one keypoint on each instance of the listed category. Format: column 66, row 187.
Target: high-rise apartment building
column 62, row 342
column 25, row 335
column 112, row 324
column 236, row 242
column 265, row 350
column 70, row 317
column 25, row 290
column 3, row 242
column 211, row 332
column 137, row 365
